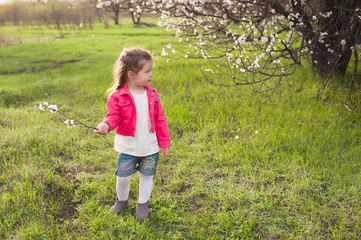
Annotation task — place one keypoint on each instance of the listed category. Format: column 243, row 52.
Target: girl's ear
column 130, row 74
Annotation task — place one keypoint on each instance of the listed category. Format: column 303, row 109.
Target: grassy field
column 242, row 165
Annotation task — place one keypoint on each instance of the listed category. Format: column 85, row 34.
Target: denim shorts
column 128, row 164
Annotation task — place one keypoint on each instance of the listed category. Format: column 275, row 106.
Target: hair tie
column 122, row 54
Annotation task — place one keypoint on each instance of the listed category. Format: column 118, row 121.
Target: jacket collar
column 124, row 90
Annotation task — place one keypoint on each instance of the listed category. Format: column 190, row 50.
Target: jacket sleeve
column 161, row 127
column 113, row 116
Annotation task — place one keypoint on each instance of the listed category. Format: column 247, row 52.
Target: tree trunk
column 343, row 62
column 327, row 63
column 135, row 21
column 331, row 57
column 116, row 16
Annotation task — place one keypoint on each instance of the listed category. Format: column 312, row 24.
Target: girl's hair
column 129, row 60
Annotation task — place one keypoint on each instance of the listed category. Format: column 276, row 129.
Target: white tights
column 145, row 187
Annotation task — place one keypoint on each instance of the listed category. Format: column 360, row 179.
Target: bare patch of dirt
column 273, row 237
column 183, row 188
column 69, row 173
column 67, row 210
column 140, row 24
column 226, row 133
column 56, row 64
column 64, row 193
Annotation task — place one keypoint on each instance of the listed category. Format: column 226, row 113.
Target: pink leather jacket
column 123, row 116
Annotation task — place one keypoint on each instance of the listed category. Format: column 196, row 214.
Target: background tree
column 134, row 7
column 61, row 13
column 15, row 12
column 85, row 11
column 113, row 6
column 260, row 42
column 58, row 11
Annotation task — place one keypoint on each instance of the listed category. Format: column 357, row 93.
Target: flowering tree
column 135, row 7
column 113, row 6
column 259, row 42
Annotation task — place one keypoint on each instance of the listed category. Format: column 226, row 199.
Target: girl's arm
column 161, row 128
column 112, row 119
column 165, row 151
column 102, row 128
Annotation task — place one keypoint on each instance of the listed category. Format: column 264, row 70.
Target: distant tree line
column 81, row 13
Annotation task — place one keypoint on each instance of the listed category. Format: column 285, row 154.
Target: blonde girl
column 134, row 110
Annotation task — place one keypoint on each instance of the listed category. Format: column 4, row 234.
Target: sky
column 4, row 1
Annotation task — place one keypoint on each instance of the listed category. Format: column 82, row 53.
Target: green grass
column 293, row 172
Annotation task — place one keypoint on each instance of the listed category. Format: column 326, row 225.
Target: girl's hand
column 165, row 151
column 103, row 128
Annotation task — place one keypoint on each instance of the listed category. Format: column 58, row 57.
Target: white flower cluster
column 70, row 124
column 43, row 106
column 164, row 53
column 53, row 108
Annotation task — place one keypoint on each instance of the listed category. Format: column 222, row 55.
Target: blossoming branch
column 70, row 123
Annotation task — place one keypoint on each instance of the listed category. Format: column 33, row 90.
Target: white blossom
column 70, row 124
column 43, row 106
column 164, row 53
column 264, row 39
column 53, row 108
column 209, row 70
column 326, row 15
column 242, row 39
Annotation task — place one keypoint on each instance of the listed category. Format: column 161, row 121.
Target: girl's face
column 144, row 76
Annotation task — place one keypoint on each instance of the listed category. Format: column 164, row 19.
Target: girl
column 135, row 111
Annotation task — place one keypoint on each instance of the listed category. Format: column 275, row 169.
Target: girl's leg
column 146, row 171
column 145, row 187
column 123, row 186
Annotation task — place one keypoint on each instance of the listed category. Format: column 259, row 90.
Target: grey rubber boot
column 142, row 211
column 118, row 207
